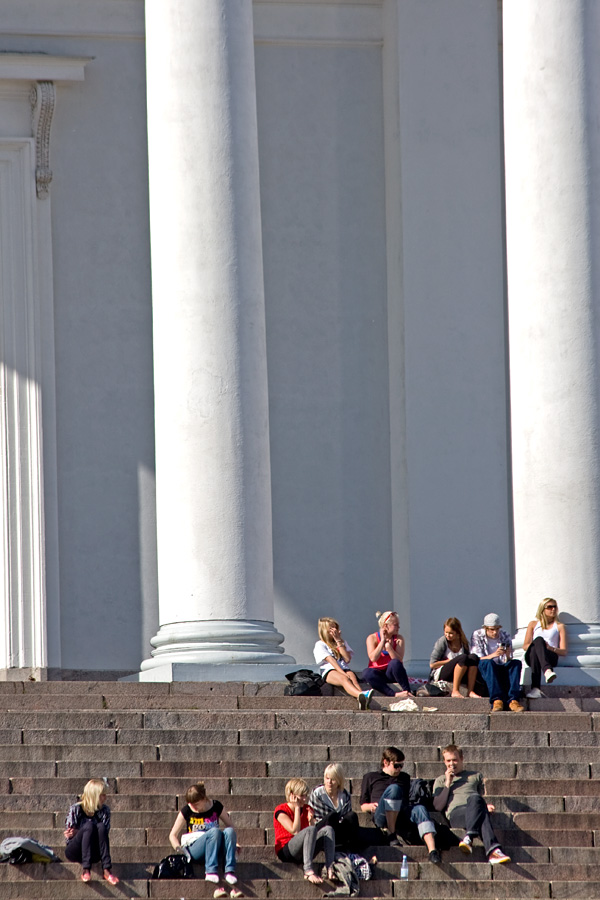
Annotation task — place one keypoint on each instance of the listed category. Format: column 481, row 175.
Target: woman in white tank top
column 545, row 640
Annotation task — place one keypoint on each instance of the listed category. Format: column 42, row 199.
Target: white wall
column 381, row 187
column 103, row 324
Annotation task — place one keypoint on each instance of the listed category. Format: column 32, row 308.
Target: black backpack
column 174, row 866
column 303, row 683
column 420, row 792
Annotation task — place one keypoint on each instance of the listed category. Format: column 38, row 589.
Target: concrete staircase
column 245, row 741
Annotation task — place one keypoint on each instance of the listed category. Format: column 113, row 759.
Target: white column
column 212, row 430
column 552, row 142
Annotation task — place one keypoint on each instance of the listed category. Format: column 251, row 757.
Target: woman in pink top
column 385, row 649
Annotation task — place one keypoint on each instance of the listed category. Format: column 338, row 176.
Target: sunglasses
column 396, row 765
column 551, row 606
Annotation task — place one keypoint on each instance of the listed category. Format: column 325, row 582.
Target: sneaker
column 515, row 706
column 394, row 842
column 497, row 706
column 86, row 876
column 220, row 893
column 230, row 878
column 466, row 845
column 434, row 857
column 550, row 676
column 362, row 701
column 534, row 694
column 368, row 695
column 497, row 856
column 108, row 876
column 212, row 876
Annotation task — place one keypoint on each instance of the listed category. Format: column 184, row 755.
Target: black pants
column 346, row 828
column 89, row 845
column 539, row 657
column 468, row 660
column 475, row 819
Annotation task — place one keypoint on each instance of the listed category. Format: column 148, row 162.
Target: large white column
column 552, row 142
column 212, row 430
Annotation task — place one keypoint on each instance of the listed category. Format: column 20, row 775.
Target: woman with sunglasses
column 385, row 649
column 385, row 794
column 545, row 640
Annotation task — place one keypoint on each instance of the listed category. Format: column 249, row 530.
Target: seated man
column 385, row 794
column 459, row 794
column 501, row 673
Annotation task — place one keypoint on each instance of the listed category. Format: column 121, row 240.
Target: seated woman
column 545, row 640
column 333, row 655
column 196, row 830
column 86, row 830
column 385, row 649
column 331, row 804
column 451, row 660
column 296, row 840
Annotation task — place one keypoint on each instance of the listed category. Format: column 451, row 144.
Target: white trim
column 40, row 67
column 22, row 557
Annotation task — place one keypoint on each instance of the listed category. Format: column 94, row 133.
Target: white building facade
column 298, row 318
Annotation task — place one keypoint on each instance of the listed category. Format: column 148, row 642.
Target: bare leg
column 429, row 841
column 391, row 815
column 471, row 679
column 459, row 671
column 346, row 683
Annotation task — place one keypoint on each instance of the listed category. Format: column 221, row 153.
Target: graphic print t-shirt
column 202, row 821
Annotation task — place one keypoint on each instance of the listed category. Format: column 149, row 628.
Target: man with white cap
column 500, row 671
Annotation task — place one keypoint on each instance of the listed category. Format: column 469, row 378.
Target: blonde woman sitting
column 331, row 804
column 545, row 640
column 86, row 830
column 296, row 839
column 333, row 655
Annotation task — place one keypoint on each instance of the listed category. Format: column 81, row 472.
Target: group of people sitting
column 323, row 818
column 308, row 821
column 485, row 665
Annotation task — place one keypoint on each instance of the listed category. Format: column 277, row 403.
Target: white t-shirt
column 322, row 650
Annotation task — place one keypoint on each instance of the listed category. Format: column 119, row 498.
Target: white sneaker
column 466, row 845
column 549, row 675
column 534, row 694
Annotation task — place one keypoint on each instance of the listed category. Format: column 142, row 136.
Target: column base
column 216, row 650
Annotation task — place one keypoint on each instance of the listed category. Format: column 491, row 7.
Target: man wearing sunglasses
column 385, row 794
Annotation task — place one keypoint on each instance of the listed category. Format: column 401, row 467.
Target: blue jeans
column 210, row 844
column 392, row 800
column 503, row 681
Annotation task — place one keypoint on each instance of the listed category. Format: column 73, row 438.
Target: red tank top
column 384, row 657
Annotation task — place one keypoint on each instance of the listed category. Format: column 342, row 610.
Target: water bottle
column 404, row 869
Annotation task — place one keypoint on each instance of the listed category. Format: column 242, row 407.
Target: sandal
column 313, row 877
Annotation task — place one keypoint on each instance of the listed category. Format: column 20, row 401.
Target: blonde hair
column 383, row 617
column 90, row 797
column 541, row 612
column 335, row 771
column 325, row 623
column 296, row 786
